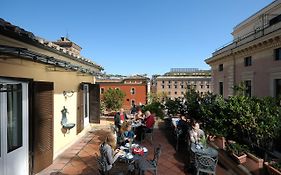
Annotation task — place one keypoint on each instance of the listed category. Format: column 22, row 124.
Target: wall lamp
column 67, row 93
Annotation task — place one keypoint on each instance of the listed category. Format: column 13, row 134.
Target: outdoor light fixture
column 68, row 93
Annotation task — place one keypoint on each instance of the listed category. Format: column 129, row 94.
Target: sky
column 136, row 36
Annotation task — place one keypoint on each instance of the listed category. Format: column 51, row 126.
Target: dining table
column 199, row 149
column 130, row 154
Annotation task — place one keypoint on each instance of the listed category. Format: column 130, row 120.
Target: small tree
column 113, row 99
column 174, row 106
column 155, row 108
column 157, row 97
column 192, row 103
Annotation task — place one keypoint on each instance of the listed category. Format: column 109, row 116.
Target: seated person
column 175, row 121
column 127, row 135
column 133, row 109
column 182, row 126
column 138, row 116
column 110, row 153
column 119, row 118
column 149, row 120
column 146, row 127
column 196, row 134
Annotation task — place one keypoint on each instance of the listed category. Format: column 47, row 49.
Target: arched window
column 133, row 91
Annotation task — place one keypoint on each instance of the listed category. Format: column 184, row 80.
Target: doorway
column 14, row 127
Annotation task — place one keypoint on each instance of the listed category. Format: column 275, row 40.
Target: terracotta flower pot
column 254, row 164
column 220, row 142
column 271, row 170
column 239, row 159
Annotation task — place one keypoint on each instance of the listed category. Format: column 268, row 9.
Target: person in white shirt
column 196, row 134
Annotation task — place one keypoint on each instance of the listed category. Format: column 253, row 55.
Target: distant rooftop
column 184, row 70
column 188, row 72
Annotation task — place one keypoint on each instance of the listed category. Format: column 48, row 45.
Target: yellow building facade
column 48, row 99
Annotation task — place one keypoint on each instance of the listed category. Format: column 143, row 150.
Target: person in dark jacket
column 119, row 118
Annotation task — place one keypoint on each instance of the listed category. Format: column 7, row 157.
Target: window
column 163, row 82
column 221, row 88
column 176, row 82
column 169, row 86
column 275, row 20
column 188, row 86
column 163, row 86
column 169, row 82
column 182, row 86
column 176, row 86
column 117, row 88
column 277, row 54
column 169, row 93
column 278, row 88
column 101, row 90
column 14, row 117
column 132, row 102
column 194, row 86
column 133, row 91
column 86, row 101
column 248, row 88
column 208, row 86
column 182, row 93
column 221, row 67
column 201, row 86
column 248, row 61
column 176, row 92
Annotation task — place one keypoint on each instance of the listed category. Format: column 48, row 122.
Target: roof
column 15, row 32
column 120, row 79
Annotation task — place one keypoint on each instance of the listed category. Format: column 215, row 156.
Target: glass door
column 86, row 104
column 14, row 128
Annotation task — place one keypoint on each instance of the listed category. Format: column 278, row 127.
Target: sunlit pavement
column 81, row 157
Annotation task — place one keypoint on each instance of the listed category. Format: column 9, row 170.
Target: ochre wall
column 62, row 79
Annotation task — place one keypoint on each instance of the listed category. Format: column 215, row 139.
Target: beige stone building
column 253, row 57
column 176, row 82
column 48, row 99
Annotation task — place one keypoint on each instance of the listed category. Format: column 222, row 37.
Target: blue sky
column 136, row 36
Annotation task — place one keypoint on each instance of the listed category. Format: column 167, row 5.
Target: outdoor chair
column 148, row 134
column 102, row 161
column 206, row 164
column 150, row 165
column 178, row 133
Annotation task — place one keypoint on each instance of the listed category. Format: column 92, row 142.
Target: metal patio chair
column 206, row 164
column 150, row 165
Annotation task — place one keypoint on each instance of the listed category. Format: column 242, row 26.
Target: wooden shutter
column 80, row 109
column 42, row 124
column 94, row 103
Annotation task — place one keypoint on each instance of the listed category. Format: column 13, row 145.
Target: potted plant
column 254, row 164
column 273, row 167
column 237, row 151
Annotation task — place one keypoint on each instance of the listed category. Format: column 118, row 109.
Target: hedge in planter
column 237, row 151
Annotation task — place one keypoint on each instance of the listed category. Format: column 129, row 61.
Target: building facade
column 48, row 99
column 176, row 82
column 253, row 58
column 134, row 87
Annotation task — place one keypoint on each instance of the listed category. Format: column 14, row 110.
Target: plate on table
column 145, row 149
column 123, row 147
column 135, row 145
column 129, row 156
